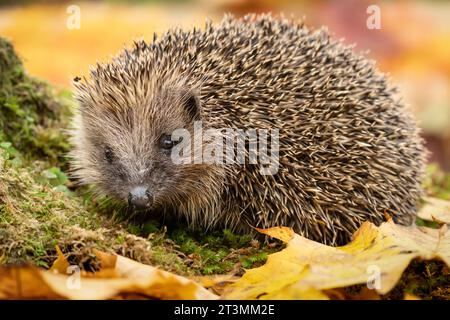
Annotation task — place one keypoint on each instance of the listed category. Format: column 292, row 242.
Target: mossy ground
column 40, row 208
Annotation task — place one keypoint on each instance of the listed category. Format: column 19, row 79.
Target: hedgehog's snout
column 140, row 198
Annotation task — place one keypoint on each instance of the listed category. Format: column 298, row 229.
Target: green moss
column 220, row 251
column 259, row 258
column 31, row 115
column 213, row 252
column 36, row 216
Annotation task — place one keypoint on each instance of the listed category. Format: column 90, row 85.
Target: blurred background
column 412, row 42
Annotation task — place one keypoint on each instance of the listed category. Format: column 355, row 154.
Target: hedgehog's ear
column 191, row 103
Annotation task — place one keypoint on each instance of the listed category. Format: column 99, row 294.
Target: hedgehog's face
column 125, row 150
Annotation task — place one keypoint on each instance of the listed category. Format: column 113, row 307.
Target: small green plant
column 10, row 154
column 429, row 224
column 56, row 178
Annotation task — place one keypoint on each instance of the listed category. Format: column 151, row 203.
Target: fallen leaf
column 107, row 260
column 284, row 234
column 25, row 282
column 216, row 283
column 61, row 264
column 377, row 257
column 410, row 296
column 124, row 276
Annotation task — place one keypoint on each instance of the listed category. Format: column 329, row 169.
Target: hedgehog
column 347, row 148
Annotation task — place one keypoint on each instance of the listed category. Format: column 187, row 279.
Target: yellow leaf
column 377, row 256
column 284, row 234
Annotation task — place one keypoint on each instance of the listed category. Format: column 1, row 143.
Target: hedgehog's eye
column 109, row 156
column 167, row 143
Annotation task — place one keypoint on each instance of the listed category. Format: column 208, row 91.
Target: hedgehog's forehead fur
column 129, row 87
column 134, row 110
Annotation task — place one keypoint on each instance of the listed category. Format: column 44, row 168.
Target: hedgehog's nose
column 140, row 198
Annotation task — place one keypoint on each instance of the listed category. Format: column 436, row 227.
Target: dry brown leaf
column 125, row 276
